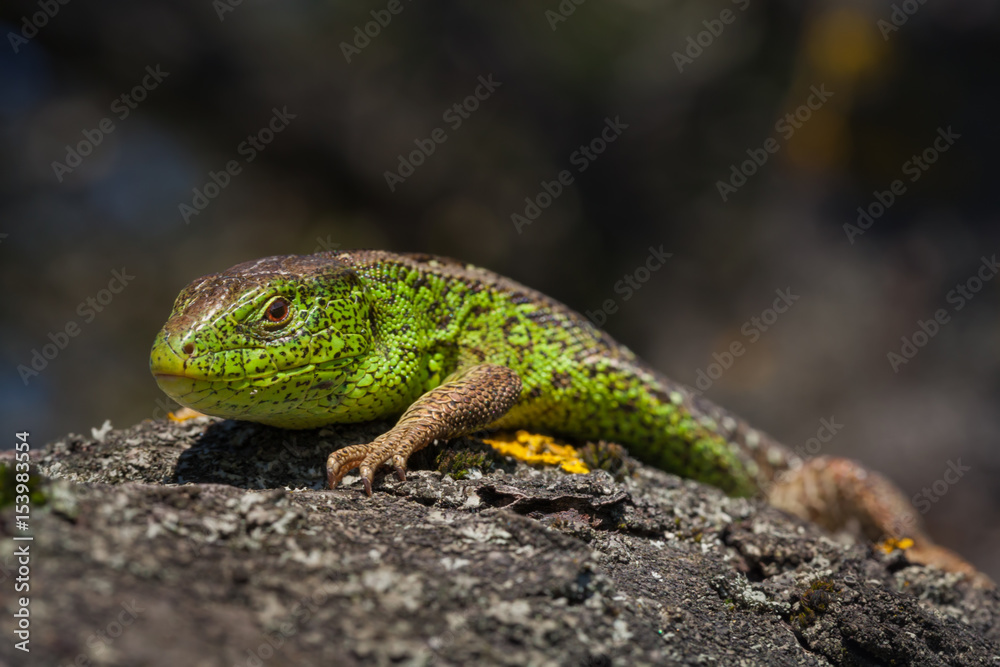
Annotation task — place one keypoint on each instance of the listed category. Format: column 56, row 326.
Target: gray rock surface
column 213, row 543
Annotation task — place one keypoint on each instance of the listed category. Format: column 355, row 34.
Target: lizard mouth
column 176, row 384
column 276, row 400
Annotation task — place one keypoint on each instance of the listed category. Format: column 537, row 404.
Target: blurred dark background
column 223, row 68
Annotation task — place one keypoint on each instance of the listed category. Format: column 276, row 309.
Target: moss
column 9, row 482
column 608, row 456
column 814, row 601
column 457, row 462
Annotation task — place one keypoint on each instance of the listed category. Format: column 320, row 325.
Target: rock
column 214, row 543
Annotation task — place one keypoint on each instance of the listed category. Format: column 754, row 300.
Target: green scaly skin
column 300, row 341
column 369, row 333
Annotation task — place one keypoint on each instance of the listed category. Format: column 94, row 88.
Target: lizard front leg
column 468, row 400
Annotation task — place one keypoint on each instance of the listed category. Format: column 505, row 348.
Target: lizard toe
column 367, row 472
column 377, row 456
column 340, row 462
column 399, row 464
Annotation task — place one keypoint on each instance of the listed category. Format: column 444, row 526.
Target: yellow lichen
column 891, row 544
column 537, row 449
column 183, row 415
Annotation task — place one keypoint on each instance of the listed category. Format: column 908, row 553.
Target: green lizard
column 301, row 341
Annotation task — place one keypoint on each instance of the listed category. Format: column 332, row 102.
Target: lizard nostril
column 188, row 348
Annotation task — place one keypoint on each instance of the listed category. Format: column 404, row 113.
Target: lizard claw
column 367, row 473
column 340, row 462
column 368, row 458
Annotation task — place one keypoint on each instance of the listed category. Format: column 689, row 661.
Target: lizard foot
column 469, row 399
column 340, row 462
column 396, row 445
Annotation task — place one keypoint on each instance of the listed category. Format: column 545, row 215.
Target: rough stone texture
column 213, row 543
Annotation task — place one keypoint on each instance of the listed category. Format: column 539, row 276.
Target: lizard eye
column 278, row 310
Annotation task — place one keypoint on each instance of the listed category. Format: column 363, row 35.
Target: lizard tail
column 841, row 494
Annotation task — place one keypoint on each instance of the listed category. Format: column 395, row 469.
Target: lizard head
column 273, row 340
